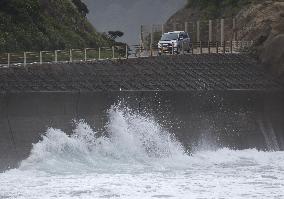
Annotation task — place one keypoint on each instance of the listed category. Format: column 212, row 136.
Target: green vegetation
column 218, row 8
column 82, row 8
column 115, row 34
column 33, row 25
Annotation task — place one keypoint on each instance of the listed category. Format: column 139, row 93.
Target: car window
column 169, row 36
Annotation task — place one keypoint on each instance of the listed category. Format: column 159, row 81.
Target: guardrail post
column 198, row 31
column 224, row 47
column 71, row 56
column 85, row 54
column 209, row 50
column 237, row 46
column 40, row 57
column 25, row 58
column 210, row 30
column 200, row 44
column 9, row 59
column 163, row 29
column 173, row 48
column 192, row 48
column 231, row 47
column 55, row 56
column 174, row 26
column 182, row 47
column 126, row 51
column 222, row 31
column 234, row 30
column 152, row 41
column 99, row 53
column 112, row 48
column 186, row 26
column 217, row 47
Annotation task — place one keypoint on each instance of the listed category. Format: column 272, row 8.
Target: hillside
column 259, row 20
column 45, row 25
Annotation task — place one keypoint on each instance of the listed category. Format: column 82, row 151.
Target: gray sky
column 128, row 15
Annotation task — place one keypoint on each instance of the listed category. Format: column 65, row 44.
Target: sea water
column 135, row 157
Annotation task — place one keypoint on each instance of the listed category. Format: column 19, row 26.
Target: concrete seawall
column 205, row 100
column 235, row 119
column 165, row 73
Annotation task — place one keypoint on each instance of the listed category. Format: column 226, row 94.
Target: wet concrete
column 166, row 73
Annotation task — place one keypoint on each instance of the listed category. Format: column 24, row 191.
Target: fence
column 221, row 30
column 61, row 56
column 117, row 52
column 201, row 47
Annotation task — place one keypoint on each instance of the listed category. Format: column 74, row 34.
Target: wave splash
column 129, row 138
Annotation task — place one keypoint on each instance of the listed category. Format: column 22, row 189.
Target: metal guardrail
column 200, row 47
column 117, row 52
column 61, row 56
column 222, row 29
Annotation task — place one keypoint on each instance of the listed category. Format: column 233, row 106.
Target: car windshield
column 169, row 36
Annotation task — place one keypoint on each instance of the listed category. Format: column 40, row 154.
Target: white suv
column 174, row 42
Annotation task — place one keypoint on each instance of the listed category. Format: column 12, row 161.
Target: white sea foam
column 135, row 157
column 129, row 139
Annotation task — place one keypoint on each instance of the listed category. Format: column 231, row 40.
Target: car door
column 186, row 41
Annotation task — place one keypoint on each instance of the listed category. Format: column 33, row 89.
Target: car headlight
column 159, row 45
column 175, row 44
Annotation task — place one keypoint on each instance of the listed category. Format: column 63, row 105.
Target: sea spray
column 129, row 138
column 136, row 158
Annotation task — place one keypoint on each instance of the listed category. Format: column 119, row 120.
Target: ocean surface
column 135, row 157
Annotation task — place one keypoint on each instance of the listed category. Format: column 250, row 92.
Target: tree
column 115, row 34
column 82, row 8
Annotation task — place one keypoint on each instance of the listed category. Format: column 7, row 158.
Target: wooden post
column 174, row 26
column 9, row 59
column 99, row 53
column 141, row 39
column 55, row 56
column 113, row 56
column 126, row 51
column 209, row 47
column 40, row 57
column 198, row 31
column 217, row 47
column 152, row 41
column 85, row 55
column 186, row 26
column 210, row 30
column 163, row 29
column 25, row 58
column 222, row 32
column 70, row 55
column 234, row 30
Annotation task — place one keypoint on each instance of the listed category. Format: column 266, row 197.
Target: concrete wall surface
column 236, row 119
